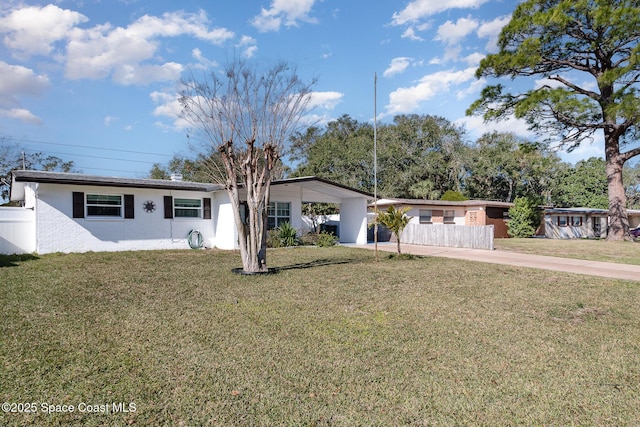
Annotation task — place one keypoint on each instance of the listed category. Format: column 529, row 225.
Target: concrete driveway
column 592, row 268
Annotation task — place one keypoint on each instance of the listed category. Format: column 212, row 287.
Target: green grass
column 333, row 338
column 588, row 249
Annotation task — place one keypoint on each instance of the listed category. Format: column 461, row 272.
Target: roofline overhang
column 94, row 180
column 64, row 178
column 322, row 180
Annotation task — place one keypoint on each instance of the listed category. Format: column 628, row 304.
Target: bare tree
column 249, row 117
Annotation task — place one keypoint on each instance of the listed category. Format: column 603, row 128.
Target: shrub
column 288, row 235
column 326, row 240
column 453, row 196
column 522, row 222
column 273, row 238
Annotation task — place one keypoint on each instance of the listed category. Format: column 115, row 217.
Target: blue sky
column 95, row 81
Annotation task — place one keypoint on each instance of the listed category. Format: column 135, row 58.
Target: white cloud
column 203, row 63
column 108, row 120
column 325, row 100
column 407, row 99
column 169, row 106
column 173, row 24
column 283, row 12
column 410, row 33
column 474, row 59
column 491, row 30
column 102, row 50
column 452, row 33
column 128, row 54
column 21, row 114
column 248, row 46
column 476, row 127
column 16, row 80
column 33, row 30
column 474, row 88
column 138, row 74
column 398, row 65
column 419, row 9
column 547, row 82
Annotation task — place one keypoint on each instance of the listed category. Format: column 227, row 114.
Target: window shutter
column 128, row 206
column 206, row 205
column 168, row 207
column 78, row 204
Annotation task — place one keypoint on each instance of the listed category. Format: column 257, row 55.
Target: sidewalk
column 568, row 265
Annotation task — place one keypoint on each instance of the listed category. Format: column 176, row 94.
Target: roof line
column 74, row 178
column 323, row 180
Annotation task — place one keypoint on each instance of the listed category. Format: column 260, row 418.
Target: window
column 425, row 216
column 187, row 208
column 449, row 217
column 104, row 205
column 566, row 221
column 279, row 213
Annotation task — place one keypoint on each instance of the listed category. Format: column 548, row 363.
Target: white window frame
column 88, row 205
column 273, row 213
column 199, row 209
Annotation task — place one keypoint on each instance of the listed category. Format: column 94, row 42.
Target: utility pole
column 375, row 164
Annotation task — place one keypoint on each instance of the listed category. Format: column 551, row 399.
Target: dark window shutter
column 128, row 206
column 78, row 204
column 168, row 207
column 206, row 212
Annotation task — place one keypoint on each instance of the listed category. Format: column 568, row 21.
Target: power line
column 111, row 170
column 33, row 151
column 86, row 146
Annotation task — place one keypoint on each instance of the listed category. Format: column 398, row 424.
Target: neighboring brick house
column 468, row 212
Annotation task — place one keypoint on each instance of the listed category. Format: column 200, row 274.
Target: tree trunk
column 618, row 219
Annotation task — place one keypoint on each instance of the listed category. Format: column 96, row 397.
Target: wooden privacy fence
column 448, row 235
column 17, row 231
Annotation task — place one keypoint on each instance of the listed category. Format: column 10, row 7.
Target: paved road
column 593, row 268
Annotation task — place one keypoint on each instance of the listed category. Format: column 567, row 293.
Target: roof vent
column 176, row 176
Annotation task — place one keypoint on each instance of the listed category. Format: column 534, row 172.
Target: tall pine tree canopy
column 585, row 58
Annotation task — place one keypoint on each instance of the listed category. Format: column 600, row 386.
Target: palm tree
column 395, row 219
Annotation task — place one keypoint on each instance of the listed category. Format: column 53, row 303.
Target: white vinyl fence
column 17, row 231
column 447, row 235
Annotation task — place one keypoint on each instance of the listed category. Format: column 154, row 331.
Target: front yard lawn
column 588, row 249
column 334, row 338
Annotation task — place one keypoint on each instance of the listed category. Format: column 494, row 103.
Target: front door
column 597, row 227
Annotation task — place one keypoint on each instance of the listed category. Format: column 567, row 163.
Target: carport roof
column 316, row 189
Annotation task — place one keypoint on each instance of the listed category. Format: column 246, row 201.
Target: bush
column 326, row 240
column 322, row 239
column 522, row 222
column 453, row 196
column 288, row 235
column 273, row 238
